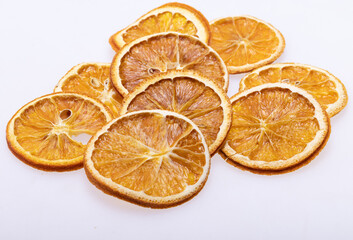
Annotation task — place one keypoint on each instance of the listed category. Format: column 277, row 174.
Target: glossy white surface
column 41, row 40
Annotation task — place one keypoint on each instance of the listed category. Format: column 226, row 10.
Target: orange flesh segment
column 186, row 96
column 162, row 22
column 159, row 155
column 44, row 129
column 169, row 52
column 93, row 80
column 241, row 40
column 273, row 124
column 315, row 82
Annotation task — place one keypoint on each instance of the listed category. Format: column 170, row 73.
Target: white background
column 41, row 40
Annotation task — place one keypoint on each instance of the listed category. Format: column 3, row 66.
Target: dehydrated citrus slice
column 92, row 79
column 40, row 133
column 275, row 126
column 153, row 158
column 191, row 95
column 170, row 17
column 326, row 88
column 162, row 52
column 245, row 42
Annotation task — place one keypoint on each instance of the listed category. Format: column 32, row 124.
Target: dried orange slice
column 326, row 88
column 92, row 79
column 170, row 17
column 40, row 133
column 162, row 52
column 153, row 158
column 245, row 42
column 275, row 126
column 191, row 95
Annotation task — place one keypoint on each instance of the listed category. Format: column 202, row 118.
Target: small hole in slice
column 95, row 82
column 65, row 114
column 82, row 138
column 297, row 83
column 106, row 84
column 153, row 71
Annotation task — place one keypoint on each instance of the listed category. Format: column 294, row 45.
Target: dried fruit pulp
column 92, row 79
column 206, row 105
column 275, row 126
column 149, row 156
column 245, row 43
column 259, row 131
column 162, row 22
column 326, row 88
column 41, row 131
column 170, row 17
column 161, row 53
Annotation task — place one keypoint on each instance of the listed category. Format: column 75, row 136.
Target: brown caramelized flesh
column 169, row 52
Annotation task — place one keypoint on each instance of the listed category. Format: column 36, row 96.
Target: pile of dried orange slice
column 160, row 110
